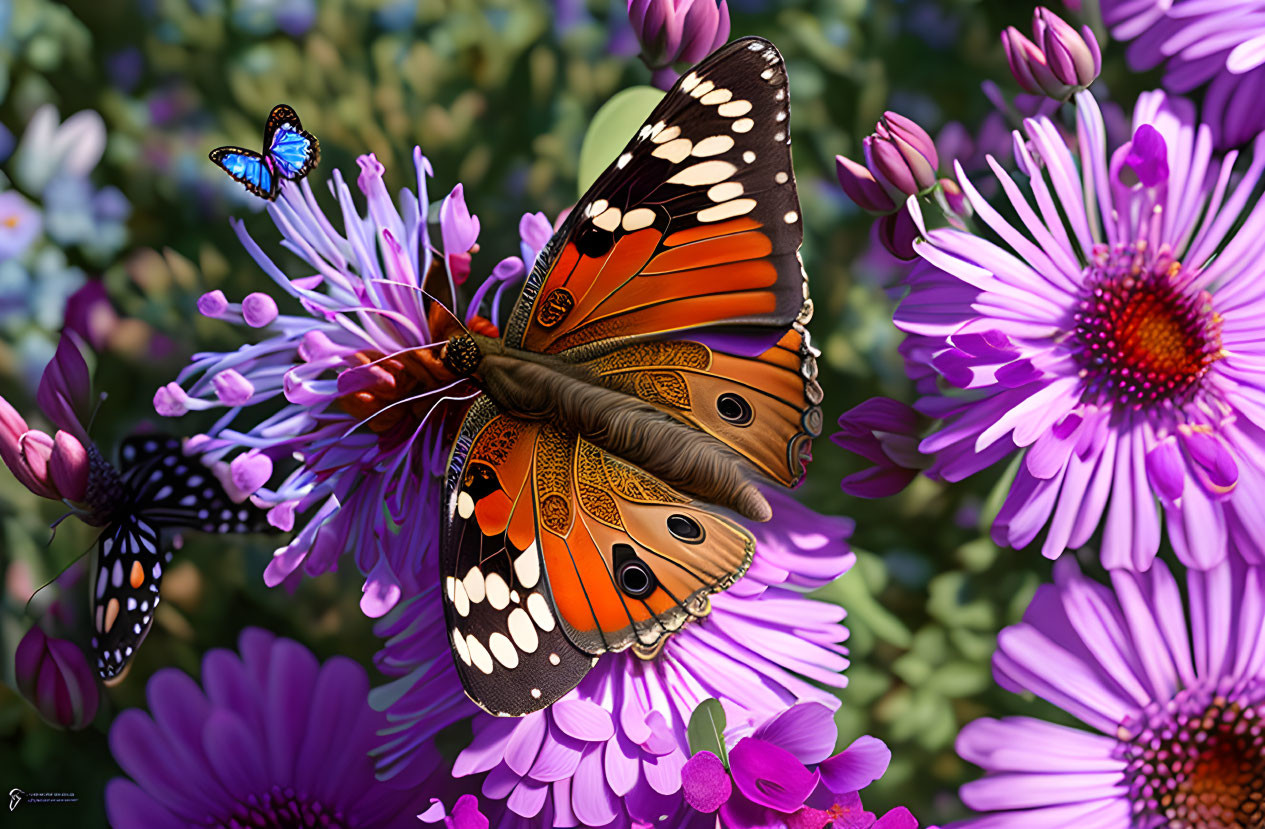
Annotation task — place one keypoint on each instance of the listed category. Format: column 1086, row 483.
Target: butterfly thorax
column 546, row 388
column 106, row 492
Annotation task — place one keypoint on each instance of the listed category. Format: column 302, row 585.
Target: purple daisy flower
column 271, row 738
column 356, row 389
column 768, row 780
column 1175, row 687
column 1110, row 335
column 611, row 751
column 1219, row 43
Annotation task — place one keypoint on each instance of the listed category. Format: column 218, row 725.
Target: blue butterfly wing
column 248, row 168
column 292, row 150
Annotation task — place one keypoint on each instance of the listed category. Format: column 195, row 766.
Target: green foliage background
column 499, row 94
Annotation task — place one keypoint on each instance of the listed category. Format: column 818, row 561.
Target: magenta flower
column 613, row 748
column 465, row 814
column 1218, row 44
column 54, row 676
column 1110, row 335
column 1174, row 687
column 356, row 387
column 769, row 781
column 271, row 738
column 677, row 32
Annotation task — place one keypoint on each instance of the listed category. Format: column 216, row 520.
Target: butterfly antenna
column 26, row 609
column 92, row 417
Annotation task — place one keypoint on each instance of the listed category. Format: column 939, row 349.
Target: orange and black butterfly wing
column 509, row 649
column 696, row 224
column 556, row 552
column 766, row 406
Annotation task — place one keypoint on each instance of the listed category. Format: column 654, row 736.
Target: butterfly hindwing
column 695, row 224
column 164, row 490
column 557, row 552
column 293, row 150
column 247, row 168
column 509, row 649
column 130, row 563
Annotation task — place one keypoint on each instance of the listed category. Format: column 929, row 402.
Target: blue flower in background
column 20, row 225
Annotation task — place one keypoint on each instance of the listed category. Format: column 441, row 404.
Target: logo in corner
column 15, row 797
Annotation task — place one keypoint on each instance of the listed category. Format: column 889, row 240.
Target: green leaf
column 706, row 731
column 611, row 128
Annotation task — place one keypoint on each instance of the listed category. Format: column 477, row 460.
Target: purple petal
column 1148, row 156
column 806, row 730
column 583, row 720
column 770, row 776
column 857, row 766
column 259, row 309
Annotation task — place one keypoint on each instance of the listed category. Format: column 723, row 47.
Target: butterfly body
column 155, row 490
column 289, row 152
column 654, row 370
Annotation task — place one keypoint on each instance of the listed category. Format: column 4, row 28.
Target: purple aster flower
column 613, row 748
column 20, row 225
column 355, row 387
column 769, row 781
column 1110, row 335
column 271, row 738
column 1174, row 687
column 1218, row 43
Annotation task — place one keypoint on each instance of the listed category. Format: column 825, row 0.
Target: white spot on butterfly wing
column 725, row 191
column 689, row 82
column 479, row 655
column 538, row 607
column 608, row 219
column 667, row 134
column 675, row 151
column 639, row 218
column 716, row 96
column 791, row 217
column 702, row 89
column 748, row 156
column 704, row 173
column 527, row 566
column 460, row 600
column 535, row 694
column 473, row 582
column 103, row 578
column 781, row 177
column 503, row 650
column 623, row 160
column 734, row 108
column 459, row 645
column 553, row 659
column 465, row 505
column 522, row 631
column 742, row 125
column 727, row 210
column 498, row 591
column 712, row 145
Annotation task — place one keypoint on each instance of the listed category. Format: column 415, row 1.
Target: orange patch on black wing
column 716, row 250
column 674, row 316
column 137, row 577
column 693, row 234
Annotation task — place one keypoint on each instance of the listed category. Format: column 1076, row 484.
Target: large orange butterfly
column 654, row 368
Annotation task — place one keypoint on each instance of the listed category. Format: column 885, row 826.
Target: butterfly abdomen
column 540, row 387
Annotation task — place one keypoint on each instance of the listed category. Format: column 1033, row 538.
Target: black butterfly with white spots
column 156, row 490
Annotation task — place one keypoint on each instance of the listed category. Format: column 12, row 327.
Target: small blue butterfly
column 289, row 152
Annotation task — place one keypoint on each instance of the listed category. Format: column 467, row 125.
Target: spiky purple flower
column 1110, row 335
column 354, row 387
column 613, row 749
column 1174, row 688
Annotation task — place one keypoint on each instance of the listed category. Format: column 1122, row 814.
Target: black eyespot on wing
column 685, row 528
column 634, row 576
column 735, row 409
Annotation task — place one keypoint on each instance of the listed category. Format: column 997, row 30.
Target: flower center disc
column 1144, row 337
column 282, row 809
column 1204, row 768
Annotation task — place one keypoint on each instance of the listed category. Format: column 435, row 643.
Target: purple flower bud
column 232, row 388
column 684, row 31
column 897, row 232
column 954, row 197
column 259, row 309
column 1058, row 62
column 460, row 230
column 1073, row 57
column 68, row 467
column 860, row 185
column 65, row 389
column 902, row 156
column 212, row 304
column 54, row 676
column 249, row 471
column 885, row 433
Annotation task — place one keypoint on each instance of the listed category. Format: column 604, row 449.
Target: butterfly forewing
column 695, row 224
column 247, row 168
column 164, row 489
column 292, row 149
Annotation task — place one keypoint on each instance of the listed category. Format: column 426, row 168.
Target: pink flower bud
column 69, row 467
column 53, row 675
column 860, row 185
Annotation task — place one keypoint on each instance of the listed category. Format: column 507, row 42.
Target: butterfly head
column 462, row 355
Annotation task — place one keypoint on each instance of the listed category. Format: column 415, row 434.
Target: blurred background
column 117, row 223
